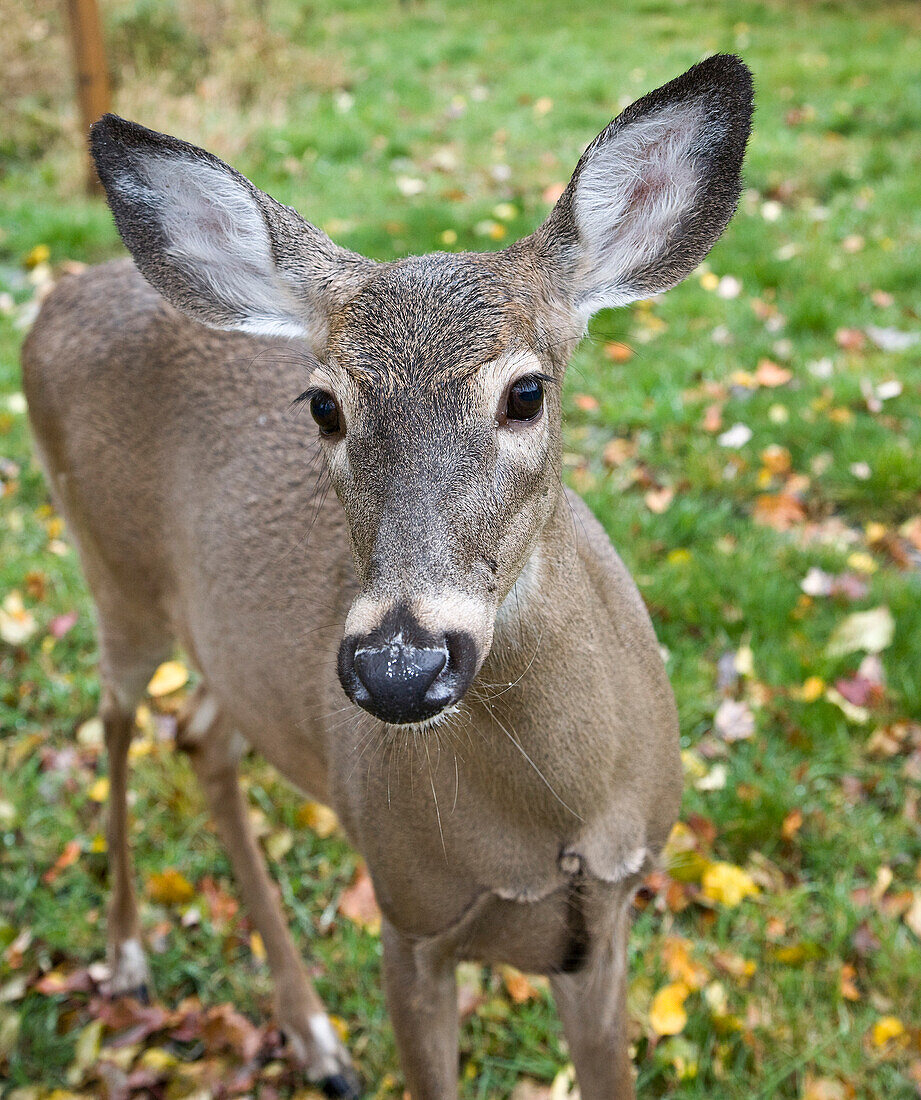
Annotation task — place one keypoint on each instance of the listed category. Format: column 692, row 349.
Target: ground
column 751, row 441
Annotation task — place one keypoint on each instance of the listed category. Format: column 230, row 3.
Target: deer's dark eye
column 525, row 399
column 325, row 411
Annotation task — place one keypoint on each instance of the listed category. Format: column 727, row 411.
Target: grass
column 331, row 107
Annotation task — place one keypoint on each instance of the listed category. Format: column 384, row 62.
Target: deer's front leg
column 592, row 1005
column 214, row 751
column 422, row 997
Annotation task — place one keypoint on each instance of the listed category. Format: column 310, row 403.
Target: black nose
column 400, row 682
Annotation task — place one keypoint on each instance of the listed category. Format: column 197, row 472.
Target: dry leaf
column 727, row 884
column 871, row 631
column 658, row 500
column 734, row 720
column 69, row 856
column 169, row 887
column 666, row 1013
column 886, row 1029
column 17, row 625
column 321, row 819
column 169, row 677
column 778, row 510
column 771, row 374
column 359, row 904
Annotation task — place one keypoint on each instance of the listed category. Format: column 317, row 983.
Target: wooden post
column 91, row 72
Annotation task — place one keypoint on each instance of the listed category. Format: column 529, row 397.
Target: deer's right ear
column 212, row 244
column 653, row 191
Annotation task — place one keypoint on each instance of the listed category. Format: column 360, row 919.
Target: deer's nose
column 401, row 681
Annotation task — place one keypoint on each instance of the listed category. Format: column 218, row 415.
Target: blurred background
column 751, row 441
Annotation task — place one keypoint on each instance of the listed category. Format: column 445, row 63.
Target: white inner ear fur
column 215, row 231
column 631, row 195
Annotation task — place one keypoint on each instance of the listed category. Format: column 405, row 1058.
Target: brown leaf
column 792, row 824
column 77, row 981
column 519, row 986
column 359, row 904
column 169, row 887
column 69, row 856
column 864, row 941
column 771, row 374
column 850, row 339
column 658, row 500
column 778, row 510
column 585, row 402
column 618, row 451
column 713, row 418
column 223, row 1028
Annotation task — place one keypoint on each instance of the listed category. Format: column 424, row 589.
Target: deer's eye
column 525, row 399
column 325, row 411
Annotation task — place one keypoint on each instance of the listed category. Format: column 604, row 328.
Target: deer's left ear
column 653, row 191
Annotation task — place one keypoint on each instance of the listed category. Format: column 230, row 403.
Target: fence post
column 91, row 72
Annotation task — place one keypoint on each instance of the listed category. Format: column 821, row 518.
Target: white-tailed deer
column 505, row 753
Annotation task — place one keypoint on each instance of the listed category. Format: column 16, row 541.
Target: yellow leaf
column 727, row 884
column 321, row 819
column 666, row 1014
column 889, row 1027
column 99, row 791
column 342, row 1028
column 257, row 946
column 169, row 677
column 40, row 254
column 862, row 562
column 170, row 887
column 812, row 689
column 676, row 952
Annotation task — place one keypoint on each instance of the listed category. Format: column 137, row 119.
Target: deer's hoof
column 342, row 1086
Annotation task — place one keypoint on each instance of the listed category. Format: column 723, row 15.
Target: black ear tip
column 728, row 70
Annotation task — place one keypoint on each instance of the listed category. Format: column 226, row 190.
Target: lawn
column 751, row 441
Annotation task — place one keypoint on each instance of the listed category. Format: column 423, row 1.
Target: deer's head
column 435, row 382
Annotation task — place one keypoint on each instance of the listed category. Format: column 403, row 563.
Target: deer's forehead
column 428, row 321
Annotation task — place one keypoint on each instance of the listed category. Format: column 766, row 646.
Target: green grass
column 327, row 106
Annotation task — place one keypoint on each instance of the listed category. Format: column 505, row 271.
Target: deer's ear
column 653, row 191
column 215, row 246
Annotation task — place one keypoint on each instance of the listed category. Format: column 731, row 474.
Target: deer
column 446, row 648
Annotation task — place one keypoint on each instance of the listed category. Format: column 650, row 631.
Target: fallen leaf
column 736, row 436
column 871, row 631
column 321, row 819
column 519, row 986
column 892, row 339
column 848, row 984
column 667, row 1014
column 886, row 1029
column 658, row 500
column 734, row 720
column 61, row 624
column 359, row 904
column 681, row 967
column 792, row 824
column 17, row 625
column 778, row 510
column 169, row 677
column 169, row 887
column 69, row 856
column 770, row 374
column 727, row 884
